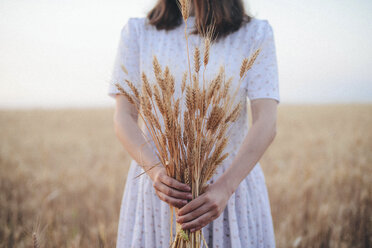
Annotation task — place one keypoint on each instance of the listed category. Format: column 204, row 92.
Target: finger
column 194, row 214
column 195, row 203
column 171, row 182
column 199, row 222
column 171, row 200
column 172, row 192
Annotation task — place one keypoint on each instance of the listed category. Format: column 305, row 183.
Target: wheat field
column 62, row 175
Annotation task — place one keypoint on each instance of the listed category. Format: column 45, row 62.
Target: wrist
column 226, row 184
column 233, row 175
column 151, row 167
column 153, row 172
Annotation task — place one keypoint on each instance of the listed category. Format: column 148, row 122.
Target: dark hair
column 226, row 15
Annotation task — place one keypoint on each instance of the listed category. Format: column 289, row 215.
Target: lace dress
column 246, row 221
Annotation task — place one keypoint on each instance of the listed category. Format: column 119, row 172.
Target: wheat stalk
column 35, row 241
column 192, row 137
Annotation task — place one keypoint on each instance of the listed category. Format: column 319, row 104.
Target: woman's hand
column 205, row 208
column 169, row 189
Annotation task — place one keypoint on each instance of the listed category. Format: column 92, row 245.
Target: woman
column 234, row 211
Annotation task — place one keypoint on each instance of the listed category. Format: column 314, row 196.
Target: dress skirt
column 245, row 222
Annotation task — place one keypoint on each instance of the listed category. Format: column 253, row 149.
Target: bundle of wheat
column 189, row 142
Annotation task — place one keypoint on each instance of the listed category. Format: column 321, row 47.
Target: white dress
column 246, row 221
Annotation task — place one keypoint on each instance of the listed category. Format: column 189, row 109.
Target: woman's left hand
column 204, row 208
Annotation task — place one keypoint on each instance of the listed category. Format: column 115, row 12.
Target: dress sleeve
column 262, row 79
column 127, row 55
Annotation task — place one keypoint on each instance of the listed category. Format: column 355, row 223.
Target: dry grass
column 62, row 168
column 63, row 173
column 319, row 174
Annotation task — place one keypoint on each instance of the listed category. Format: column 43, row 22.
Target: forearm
column 259, row 137
column 132, row 139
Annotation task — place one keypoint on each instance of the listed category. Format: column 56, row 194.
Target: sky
column 60, row 53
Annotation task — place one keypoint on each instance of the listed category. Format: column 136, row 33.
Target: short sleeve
column 262, row 79
column 127, row 55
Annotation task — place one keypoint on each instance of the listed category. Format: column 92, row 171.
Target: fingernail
column 189, row 196
column 184, row 201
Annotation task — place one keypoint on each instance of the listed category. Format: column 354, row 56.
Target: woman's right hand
column 169, row 189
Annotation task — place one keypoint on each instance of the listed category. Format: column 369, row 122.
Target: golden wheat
column 190, row 145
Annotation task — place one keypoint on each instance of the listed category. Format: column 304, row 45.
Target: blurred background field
column 62, row 175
